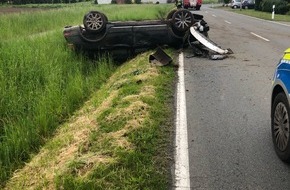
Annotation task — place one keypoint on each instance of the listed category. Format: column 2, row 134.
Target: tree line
column 281, row 6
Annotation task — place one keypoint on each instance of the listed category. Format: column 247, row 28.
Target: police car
column 280, row 111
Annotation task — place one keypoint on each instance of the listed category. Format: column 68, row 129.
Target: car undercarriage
column 97, row 35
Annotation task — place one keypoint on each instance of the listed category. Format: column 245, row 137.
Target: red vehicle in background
column 195, row 4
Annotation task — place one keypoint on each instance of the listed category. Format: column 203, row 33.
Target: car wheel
column 182, row 20
column 95, row 21
column 280, row 127
column 235, row 7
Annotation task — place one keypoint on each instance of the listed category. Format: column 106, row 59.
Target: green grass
column 143, row 167
column 42, row 83
column 21, row 25
column 91, row 151
column 209, row 1
column 259, row 14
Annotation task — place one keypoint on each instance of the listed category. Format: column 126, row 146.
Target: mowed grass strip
column 258, row 14
column 42, row 82
column 264, row 15
column 119, row 139
column 24, row 24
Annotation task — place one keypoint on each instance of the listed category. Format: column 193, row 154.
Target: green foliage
column 128, row 1
column 138, row 1
column 280, row 6
column 258, row 5
column 288, row 7
column 226, row 1
column 162, row 13
column 42, row 82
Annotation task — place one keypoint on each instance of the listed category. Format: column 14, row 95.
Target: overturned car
column 98, row 34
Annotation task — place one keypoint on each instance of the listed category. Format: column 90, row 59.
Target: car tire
column 280, row 116
column 182, row 20
column 197, row 7
column 95, row 21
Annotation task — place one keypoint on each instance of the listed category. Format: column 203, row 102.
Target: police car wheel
column 280, row 127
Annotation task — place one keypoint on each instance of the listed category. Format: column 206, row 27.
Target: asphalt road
column 228, row 105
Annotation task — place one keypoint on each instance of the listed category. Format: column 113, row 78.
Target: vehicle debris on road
column 202, row 45
column 160, row 58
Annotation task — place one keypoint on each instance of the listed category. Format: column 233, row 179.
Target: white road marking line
column 260, row 37
column 214, row 15
column 228, row 22
column 182, row 177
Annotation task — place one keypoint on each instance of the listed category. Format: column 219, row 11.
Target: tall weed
column 42, row 84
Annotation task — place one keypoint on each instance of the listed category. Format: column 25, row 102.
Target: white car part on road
column 207, row 42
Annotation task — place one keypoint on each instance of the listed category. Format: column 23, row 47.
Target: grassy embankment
column 264, row 15
column 259, row 14
column 114, row 141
